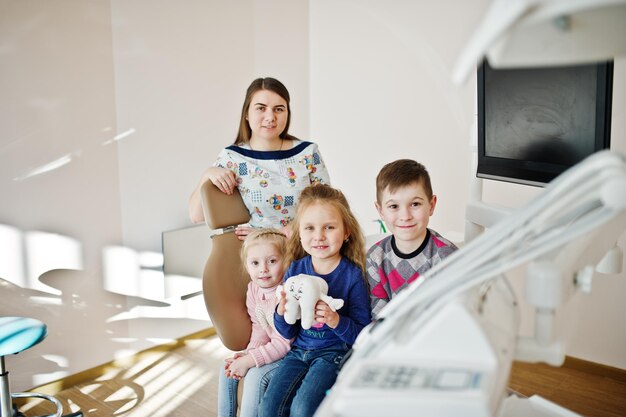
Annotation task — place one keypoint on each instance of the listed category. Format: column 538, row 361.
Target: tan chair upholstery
column 225, row 281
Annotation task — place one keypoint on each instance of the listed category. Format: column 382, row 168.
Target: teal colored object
column 16, row 335
column 20, row 333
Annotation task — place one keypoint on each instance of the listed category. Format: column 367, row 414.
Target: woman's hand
column 324, row 314
column 224, row 179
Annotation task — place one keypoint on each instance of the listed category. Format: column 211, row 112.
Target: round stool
column 16, row 335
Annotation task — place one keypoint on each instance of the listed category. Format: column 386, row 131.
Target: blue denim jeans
column 301, row 381
column 254, row 386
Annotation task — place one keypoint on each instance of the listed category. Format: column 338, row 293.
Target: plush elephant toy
column 302, row 292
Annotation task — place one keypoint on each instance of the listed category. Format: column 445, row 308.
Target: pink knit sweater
column 266, row 345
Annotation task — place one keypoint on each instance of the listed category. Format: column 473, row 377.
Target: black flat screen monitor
column 534, row 123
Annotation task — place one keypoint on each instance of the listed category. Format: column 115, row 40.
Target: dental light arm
column 565, row 230
column 523, row 33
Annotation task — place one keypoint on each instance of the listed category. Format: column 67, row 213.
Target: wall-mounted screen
column 534, row 123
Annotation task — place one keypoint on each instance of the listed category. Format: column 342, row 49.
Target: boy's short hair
column 401, row 173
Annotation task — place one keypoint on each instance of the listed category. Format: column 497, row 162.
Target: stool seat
column 20, row 333
column 16, row 335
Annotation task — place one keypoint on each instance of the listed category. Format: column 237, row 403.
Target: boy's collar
column 415, row 252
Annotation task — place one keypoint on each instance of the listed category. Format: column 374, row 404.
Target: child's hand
column 282, row 304
column 286, row 230
column 239, row 367
column 229, row 361
column 324, row 314
column 243, row 230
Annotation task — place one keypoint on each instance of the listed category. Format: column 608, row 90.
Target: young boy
column 405, row 201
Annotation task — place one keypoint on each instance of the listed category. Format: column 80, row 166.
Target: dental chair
column 224, row 281
column 16, row 335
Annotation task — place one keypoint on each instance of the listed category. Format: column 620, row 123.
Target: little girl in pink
column 263, row 256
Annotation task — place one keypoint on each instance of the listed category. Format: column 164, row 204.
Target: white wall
column 136, row 99
column 381, row 90
column 178, row 89
column 58, row 109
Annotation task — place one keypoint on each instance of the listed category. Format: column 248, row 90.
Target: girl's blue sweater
column 345, row 282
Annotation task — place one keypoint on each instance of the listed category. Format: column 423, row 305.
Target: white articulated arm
column 570, row 226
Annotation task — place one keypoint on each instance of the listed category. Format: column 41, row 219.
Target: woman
column 268, row 165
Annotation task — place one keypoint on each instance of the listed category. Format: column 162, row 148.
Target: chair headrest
column 222, row 210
